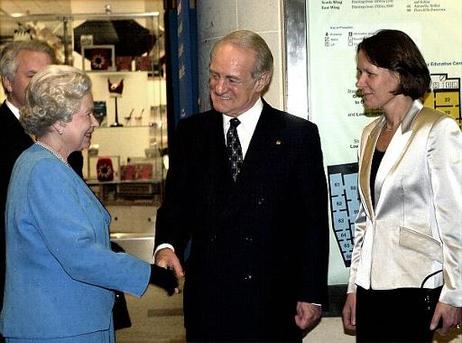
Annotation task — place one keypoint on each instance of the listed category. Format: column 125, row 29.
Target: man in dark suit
column 251, row 198
column 19, row 61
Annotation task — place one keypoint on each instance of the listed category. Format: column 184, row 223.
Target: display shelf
column 125, row 126
column 117, row 72
column 151, row 76
column 127, row 192
column 92, row 182
column 147, row 203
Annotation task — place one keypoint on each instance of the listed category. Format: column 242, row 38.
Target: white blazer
column 415, row 228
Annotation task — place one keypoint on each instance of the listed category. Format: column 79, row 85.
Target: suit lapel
column 263, row 141
column 366, row 163
column 395, row 151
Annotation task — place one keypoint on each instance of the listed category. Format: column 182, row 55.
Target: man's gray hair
column 250, row 40
column 10, row 51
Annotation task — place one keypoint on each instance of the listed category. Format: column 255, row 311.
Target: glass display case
column 122, row 53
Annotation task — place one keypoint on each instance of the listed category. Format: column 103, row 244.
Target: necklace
column 53, row 152
column 393, row 127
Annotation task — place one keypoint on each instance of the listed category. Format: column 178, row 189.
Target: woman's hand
column 164, row 278
column 449, row 316
column 349, row 312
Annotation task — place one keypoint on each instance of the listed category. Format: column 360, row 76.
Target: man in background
column 19, row 61
column 246, row 186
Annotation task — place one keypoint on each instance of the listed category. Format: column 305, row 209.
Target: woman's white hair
column 54, row 94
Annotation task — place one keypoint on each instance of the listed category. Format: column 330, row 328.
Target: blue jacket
column 60, row 268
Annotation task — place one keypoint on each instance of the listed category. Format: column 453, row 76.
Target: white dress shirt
column 13, row 109
column 247, row 126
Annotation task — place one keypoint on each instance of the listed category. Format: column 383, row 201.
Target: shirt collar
column 13, row 109
column 248, row 119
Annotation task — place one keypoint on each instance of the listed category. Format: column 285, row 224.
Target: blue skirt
column 105, row 336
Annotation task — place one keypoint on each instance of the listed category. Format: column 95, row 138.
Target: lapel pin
column 278, row 142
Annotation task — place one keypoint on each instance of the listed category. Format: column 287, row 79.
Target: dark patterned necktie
column 234, row 148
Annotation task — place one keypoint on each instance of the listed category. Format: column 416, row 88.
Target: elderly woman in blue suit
column 60, row 270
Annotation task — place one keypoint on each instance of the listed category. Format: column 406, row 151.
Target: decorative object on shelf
column 93, row 150
column 143, row 63
column 86, row 40
column 139, row 116
column 129, row 117
column 136, row 171
column 100, row 112
column 124, row 63
column 115, row 88
column 22, row 33
column 152, row 152
column 92, row 165
column 101, row 57
column 115, row 91
column 104, row 169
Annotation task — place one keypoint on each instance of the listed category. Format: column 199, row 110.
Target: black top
column 376, row 160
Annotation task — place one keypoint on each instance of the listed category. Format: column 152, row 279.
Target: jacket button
column 248, row 239
column 260, row 201
column 213, row 238
column 248, row 277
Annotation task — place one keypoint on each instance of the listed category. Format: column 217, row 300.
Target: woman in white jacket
column 406, row 270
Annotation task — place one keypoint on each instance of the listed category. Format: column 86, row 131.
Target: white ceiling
column 36, row 6
column 9, row 8
column 68, row 6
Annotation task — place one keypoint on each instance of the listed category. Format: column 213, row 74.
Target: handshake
column 164, row 278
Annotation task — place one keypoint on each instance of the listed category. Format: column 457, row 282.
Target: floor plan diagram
column 445, row 96
column 344, row 202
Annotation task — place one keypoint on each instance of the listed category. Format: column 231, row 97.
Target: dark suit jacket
column 257, row 246
column 13, row 141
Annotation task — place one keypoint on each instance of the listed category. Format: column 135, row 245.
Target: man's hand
column 307, row 315
column 349, row 312
column 450, row 316
column 166, row 258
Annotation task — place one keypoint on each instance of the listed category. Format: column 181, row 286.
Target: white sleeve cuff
column 162, row 246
